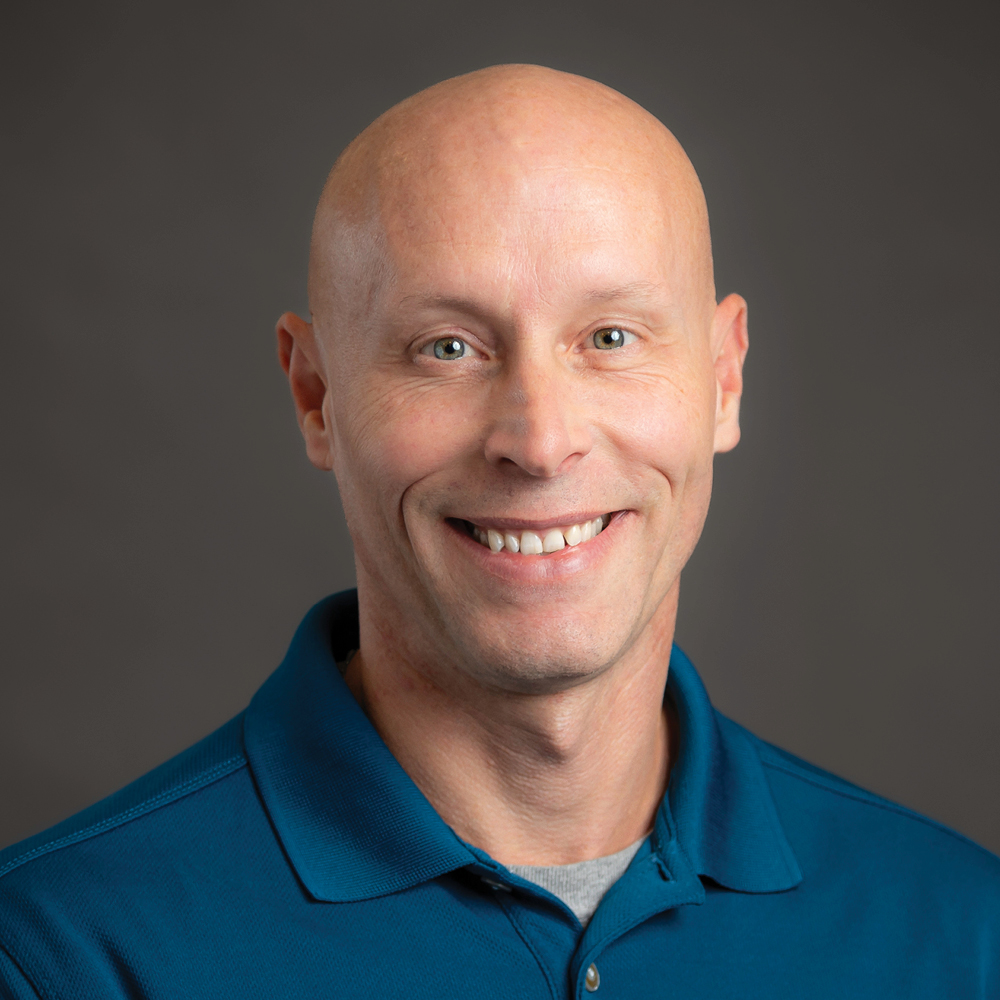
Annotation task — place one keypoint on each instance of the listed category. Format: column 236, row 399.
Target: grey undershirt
column 581, row 886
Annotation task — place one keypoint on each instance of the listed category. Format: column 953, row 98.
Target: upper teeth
column 533, row 543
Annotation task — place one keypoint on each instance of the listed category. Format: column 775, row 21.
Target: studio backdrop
column 163, row 531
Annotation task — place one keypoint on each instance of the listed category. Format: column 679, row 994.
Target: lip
column 512, row 567
column 521, row 524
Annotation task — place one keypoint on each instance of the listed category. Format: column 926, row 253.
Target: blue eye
column 612, row 337
column 450, row 348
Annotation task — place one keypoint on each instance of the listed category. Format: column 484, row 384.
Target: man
column 486, row 773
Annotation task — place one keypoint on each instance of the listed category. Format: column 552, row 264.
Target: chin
column 533, row 658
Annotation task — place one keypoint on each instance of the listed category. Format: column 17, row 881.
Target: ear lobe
column 300, row 361
column 730, row 341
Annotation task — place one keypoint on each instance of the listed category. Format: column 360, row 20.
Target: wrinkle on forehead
column 483, row 138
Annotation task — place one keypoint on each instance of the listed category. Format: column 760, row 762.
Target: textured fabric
column 13, row 984
column 583, row 884
column 289, row 855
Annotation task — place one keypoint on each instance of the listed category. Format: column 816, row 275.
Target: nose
column 538, row 419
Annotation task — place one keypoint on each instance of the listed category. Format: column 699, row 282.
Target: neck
column 540, row 779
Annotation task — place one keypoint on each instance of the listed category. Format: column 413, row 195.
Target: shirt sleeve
column 14, row 984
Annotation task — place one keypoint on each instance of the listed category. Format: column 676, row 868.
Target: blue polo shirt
column 288, row 855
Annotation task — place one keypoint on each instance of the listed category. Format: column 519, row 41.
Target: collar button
column 593, row 979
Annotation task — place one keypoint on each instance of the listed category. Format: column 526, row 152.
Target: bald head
column 494, row 140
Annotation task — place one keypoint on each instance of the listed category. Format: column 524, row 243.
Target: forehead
column 566, row 184
column 552, row 217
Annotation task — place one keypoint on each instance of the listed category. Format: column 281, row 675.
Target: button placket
column 494, row 884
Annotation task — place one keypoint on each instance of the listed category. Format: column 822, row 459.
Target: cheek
column 396, row 436
column 666, row 425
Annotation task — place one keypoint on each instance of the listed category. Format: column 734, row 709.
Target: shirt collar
column 719, row 798
column 354, row 825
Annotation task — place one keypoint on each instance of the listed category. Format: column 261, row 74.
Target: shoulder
column 198, row 767
column 136, row 867
column 840, row 830
column 144, row 841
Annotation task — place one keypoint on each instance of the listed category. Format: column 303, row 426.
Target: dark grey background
column 163, row 532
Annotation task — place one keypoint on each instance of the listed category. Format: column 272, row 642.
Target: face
column 522, row 417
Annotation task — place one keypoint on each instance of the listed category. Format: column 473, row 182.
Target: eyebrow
column 456, row 303
column 633, row 290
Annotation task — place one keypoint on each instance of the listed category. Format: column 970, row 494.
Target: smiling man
column 488, row 773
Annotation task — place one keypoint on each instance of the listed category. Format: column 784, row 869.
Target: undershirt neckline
column 583, row 884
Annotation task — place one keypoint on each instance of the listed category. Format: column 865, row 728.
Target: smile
column 535, row 543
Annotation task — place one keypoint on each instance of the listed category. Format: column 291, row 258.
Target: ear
column 299, row 357
column 729, row 349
